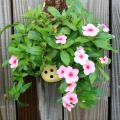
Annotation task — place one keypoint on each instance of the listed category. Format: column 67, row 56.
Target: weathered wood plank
column 7, row 108
column 116, row 61
column 48, row 106
column 49, row 109
column 100, row 10
column 30, row 110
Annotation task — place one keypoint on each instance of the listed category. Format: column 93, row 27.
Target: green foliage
column 62, row 87
column 34, row 44
column 93, row 77
column 54, row 12
column 65, row 57
column 87, row 94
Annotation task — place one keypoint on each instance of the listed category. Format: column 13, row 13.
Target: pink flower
column 104, row 60
column 13, row 61
column 89, row 67
column 71, row 75
column 70, row 98
column 61, row 71
column 104, row 27
column 80, row 58
column 90, row 30
column 61, row 39
column 71, row 87
column 80, row 49
column 68, row 106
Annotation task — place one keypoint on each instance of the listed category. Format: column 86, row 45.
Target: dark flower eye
column 46, row 72
column 51, row 70
column 51, row 76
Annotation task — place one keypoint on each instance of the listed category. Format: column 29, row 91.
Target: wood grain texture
column 49, row 109
column 30, row 110
column 116, row 61
column 7, row 108
column 100, row 10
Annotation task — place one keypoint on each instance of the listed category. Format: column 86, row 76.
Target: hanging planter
column 49, row 74
column 63, row 44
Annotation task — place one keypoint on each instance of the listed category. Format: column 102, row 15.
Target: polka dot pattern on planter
column 49, row 74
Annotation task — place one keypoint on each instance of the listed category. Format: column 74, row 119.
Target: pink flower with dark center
column 104, row 27
column 61, row 39
column 68, row 106
column 70, row 98
column 90, row 30
column 104, row 60
column 81, row 58
column 13, row 61
column 71, row 87
column 89, row 67
column 71, row 75
column 61, row 71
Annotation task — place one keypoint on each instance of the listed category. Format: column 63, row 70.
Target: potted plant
column 60, row 45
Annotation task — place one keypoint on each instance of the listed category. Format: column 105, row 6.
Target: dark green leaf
column 25, row 87
column 36, row 50
column 53, row 11
column 70, row 25
column 82, row 40
column 62, row 87
column 103, row 44
column 65, row 30
column 65, row 57
column 104, row 36
column 14, row 51
column 52, row 54
column 20, row 28
column 34, row 36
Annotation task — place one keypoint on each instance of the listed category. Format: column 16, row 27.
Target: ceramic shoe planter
column 49, row 74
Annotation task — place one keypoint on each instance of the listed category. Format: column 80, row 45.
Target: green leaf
column 16, row 36
column 6, row 27
column 52, row 54
column 36, row 50
column 51, row 42
column 70, row 25
column 82, row 40
column 93, row 77
column 34, row 36
column 71, row 51
column 65, row 30
column 53, row 11
column 20, row 28
column 25, row 87
column 62, row 87
column 103, row 44
column 69, row 43
column 65, row 57
column 104, row 36
column 104, row 74
column 14, row 51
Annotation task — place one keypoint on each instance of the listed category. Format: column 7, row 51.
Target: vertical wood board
column 115, row 90
column 7, row 107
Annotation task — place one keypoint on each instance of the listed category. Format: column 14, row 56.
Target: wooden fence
column 42, row 96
